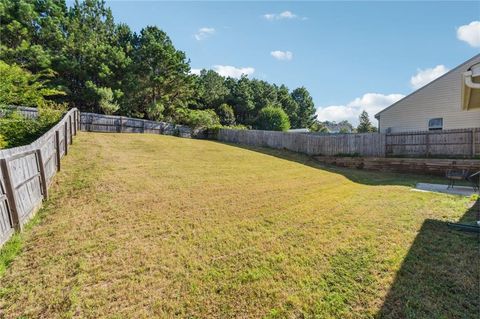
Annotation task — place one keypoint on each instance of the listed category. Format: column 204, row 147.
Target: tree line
column 103, row 66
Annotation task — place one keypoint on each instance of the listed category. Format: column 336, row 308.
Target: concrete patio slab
column 442, row 188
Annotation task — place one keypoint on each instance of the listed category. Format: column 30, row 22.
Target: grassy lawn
column 142, row 226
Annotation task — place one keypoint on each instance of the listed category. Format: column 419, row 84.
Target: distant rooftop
column 299, row 130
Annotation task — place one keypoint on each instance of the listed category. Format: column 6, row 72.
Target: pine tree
column 365, row 126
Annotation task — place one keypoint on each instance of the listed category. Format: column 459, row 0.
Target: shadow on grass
column 355, row 175
column 440, row 276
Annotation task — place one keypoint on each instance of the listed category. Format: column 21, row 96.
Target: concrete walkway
column 442, row 188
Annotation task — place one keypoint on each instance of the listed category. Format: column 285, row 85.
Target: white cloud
column 370, row 102
column 470, row 33
column 426, row 76
column 269, row 16
column 288, row 15
column 231, row 71
column 195, row 71
column 282, row 55
column 204, row 33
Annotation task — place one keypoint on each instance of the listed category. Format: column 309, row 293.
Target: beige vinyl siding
column 440, row 98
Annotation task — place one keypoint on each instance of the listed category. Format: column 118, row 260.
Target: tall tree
column 365, row 126
column 105, row 67
column 288, row 104
column 263, row 94
column 163, row 73
column 90, row 54
column 32, row 32
column 211, row 90
column 241, row 99
column 306, row 108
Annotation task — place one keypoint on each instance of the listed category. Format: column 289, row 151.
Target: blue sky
column 349, row 55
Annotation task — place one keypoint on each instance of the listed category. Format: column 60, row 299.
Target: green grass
column 142, row 226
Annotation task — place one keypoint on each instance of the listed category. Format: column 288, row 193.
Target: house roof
column 299, row 130
column 427, row 85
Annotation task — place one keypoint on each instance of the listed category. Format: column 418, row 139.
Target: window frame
column 436, row 127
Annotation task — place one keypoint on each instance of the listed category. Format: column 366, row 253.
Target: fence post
column 386, row 145
column 65, row 141
column 43, row 178
column 74, row 123
column 119, row 127
column 143, row 126
column 70, row 128
column 57, row 149
column 474, row 131
column 9, row 191
column 427, row 144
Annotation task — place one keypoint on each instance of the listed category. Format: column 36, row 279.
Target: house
column 341, row 127
column 298, row 130
column 451, row 101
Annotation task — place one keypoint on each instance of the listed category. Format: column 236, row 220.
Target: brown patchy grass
column 142, row 226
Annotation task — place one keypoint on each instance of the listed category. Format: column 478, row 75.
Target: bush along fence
column 93, row 122
column 27, row 171
column 464, row 143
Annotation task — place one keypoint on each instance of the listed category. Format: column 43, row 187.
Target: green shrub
column 105, row 98
column 20, row 87
column 3, row 142
column 155, row 111
column 272, row 118
column 200, row 118
column 226, row 114
column 212, row 132
column 237, row 127
column 17, row 130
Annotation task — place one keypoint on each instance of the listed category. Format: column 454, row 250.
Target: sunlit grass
column 156, row 226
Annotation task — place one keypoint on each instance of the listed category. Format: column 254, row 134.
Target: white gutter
column 467, row 76
column 469, row 86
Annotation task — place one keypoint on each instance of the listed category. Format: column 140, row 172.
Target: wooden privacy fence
column 464, row 143
column 27, row 112
column 372, row 145
column 27, row 171
column 93, row 122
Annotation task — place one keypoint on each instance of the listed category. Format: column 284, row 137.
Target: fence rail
column 464, row 143
column 27, row 171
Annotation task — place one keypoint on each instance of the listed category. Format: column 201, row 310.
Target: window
column 435, row 124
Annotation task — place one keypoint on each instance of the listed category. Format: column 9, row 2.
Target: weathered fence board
column 26, row 172
column 6, row 225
